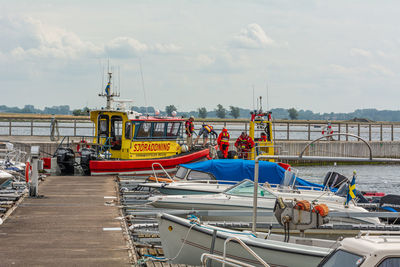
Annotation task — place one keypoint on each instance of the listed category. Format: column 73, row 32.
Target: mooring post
column 34, row 183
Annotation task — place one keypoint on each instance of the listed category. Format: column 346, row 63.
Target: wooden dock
column 75, row 223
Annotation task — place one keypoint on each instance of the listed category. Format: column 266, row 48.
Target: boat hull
column 145, row 167
column 174, row 232
column 228, row 202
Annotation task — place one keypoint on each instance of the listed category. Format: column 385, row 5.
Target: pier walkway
column 74, row 224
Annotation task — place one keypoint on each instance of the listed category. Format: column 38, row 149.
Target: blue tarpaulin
column 238, row 169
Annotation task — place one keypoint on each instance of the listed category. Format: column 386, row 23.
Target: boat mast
column 108, row 93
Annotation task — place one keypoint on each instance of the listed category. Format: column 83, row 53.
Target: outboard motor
column 334, row 179
column 65, row 160
column 87, row 154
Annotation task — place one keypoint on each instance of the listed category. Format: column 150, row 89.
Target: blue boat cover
column 239, row 169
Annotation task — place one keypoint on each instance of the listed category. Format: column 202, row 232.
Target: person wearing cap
column 223, row 142
column 189, row 126
column 244, row 144
column 205, row 130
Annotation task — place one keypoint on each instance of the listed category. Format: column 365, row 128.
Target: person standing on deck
column 189, row 126
column 244, row 144
column 223, row 142
column 205, row 130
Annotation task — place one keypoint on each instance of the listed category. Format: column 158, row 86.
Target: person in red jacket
column 244, row 144
column 223, row 142
column 189, row 126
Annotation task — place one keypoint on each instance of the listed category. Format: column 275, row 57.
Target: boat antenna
column 119, row 80
column 267, row 96
column 101, row 75
column 253, row 97
column 144, row 90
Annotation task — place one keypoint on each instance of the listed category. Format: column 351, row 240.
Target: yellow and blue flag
column 352, row 190
column 108, row 89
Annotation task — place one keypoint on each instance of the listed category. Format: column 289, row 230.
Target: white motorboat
column 240, row 197
column 188, row 182
column 184, row 242
column 366, row 250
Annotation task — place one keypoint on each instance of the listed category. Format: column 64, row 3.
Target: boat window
column 196, row 175
column 103, row 126
column 158, row 129
column 342, row 258
column 128, row 130
column 173, row 129
column 246, row 188
column 390, row 262
column 181, row 173
column 144, row 130
column 116, row 132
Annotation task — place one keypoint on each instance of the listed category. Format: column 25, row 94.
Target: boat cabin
column 380, row 251
column 129, row 135
column 261, row 132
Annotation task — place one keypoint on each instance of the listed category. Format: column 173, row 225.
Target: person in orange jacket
column 244, row 144
column 223, row 142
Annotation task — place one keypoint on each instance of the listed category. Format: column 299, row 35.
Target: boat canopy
column 238, row 170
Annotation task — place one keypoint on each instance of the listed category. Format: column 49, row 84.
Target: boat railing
column 232, row 262
column 295, row 188
column 154, row 172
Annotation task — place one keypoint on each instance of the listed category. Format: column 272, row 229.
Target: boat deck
column 75, row 223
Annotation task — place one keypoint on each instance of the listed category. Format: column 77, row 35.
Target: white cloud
column 28, row 37
column 360, row 52
column 253, row 36
column 379, row 69
column 368, row 70
column 221, row 61
column 125, row 47
column 130, row 47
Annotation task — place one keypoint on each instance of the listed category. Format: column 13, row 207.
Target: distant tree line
column 221, row 112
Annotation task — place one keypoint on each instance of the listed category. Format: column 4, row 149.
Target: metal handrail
column 245, row 247
column 232, row 262
column 154, row 172
column 337, row 134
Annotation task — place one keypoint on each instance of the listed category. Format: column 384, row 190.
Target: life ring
column 28, row 169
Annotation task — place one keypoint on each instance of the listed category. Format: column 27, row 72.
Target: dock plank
column 69, row 226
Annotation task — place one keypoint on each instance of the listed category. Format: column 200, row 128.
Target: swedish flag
column 352, row 189
column 108, row 89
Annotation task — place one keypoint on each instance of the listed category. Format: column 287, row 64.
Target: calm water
column 382, row 178
column 297, row 132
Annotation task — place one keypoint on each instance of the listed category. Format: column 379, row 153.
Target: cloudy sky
column 322, row 55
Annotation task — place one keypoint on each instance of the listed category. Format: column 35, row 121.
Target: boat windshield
column 181, row 173
column 289, row 179
column 199, row 176
column 246, row 188
column 342, row 258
